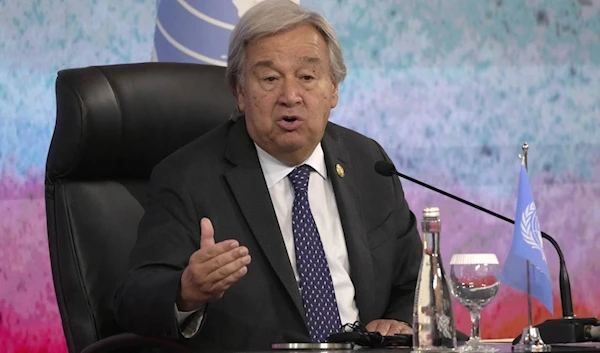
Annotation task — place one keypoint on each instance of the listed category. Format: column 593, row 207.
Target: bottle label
column 433, row 316
column 422, row 312
column 434, row 227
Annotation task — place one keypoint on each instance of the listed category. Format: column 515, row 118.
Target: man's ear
column 240, row 97
column 334, row 95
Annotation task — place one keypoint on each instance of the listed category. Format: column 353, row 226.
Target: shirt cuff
column 189, row 326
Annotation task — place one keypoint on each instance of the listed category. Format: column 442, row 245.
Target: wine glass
column 474, row 283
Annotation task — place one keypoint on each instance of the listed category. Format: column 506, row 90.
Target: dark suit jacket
column 219, row 176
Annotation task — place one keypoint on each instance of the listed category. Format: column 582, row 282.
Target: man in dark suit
column 274, row 227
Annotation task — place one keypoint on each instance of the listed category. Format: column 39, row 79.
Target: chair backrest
column 113, row 125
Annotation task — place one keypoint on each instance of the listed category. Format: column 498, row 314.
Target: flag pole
column 525, row 149
column 531, row 339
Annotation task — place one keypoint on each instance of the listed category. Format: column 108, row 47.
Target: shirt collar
column 274, row 170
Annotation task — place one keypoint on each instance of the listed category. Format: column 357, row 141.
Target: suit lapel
column 247, row 183
column 361, row 264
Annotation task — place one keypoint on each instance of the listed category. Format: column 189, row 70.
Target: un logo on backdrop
column 196, row 31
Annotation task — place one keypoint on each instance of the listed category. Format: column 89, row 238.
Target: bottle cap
column 431, row 212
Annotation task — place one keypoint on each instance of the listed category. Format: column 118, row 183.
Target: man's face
column 287, row 93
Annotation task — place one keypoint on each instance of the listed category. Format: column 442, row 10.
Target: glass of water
column 474, row 283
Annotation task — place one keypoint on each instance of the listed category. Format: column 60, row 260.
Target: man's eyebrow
column 305, row 59
column 311, row 59
column 265, row 63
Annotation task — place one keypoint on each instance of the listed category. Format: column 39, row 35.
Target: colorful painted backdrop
column 450, row 88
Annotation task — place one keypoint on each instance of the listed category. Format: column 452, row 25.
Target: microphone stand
column 568, row 329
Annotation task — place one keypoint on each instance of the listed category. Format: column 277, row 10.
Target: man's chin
column 295, row 152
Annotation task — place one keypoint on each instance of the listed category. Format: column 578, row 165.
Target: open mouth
column 290, row 119
column 290, row 123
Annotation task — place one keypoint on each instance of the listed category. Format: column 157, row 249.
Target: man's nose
column 290, row 93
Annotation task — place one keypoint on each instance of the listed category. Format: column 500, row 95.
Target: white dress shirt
column 324, row 208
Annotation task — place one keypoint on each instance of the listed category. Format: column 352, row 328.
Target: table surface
column 502, row 348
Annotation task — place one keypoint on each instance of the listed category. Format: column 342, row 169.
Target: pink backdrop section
column 29, row 317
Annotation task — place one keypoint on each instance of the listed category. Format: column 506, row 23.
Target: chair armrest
column 123, row 340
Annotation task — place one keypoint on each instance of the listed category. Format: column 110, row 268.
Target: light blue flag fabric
column 527, row 245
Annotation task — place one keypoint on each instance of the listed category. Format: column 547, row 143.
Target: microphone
column 569, row 329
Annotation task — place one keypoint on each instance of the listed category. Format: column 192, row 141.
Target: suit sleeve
column 168, row 234
column 409, row 250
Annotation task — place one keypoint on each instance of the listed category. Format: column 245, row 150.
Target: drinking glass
column 474, row 283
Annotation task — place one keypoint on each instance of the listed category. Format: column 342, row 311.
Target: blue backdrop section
column 194, row 31
column 451, row 89
column 38, row 38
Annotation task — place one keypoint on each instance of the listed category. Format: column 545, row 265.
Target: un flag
column 527, row 249
column 196, row 31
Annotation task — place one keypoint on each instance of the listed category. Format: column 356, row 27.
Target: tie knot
column 299, row 178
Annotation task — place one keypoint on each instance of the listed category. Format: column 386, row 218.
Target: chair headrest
column 119, row 121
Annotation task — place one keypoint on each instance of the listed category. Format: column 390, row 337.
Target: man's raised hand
column 211, row 270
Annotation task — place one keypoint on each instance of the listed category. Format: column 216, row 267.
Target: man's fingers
column 207, row 233
column 404, row 329
column 384, row 327
column 206, row 254
column 231, row 267
column 228, row 281
column 225, row 263
column 388, row 327
column 380, row 326
column 398, row 327
column 219, row 255
column 210, row 270
column 372, row 326
column 210, row 286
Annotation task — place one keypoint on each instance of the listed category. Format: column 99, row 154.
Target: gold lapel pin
column 340, row 170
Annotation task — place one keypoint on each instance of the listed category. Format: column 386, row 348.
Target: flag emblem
column 530, row 228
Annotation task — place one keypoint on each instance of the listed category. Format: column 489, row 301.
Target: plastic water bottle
column 433, row 318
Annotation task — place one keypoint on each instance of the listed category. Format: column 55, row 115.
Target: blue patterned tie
column 318, row 296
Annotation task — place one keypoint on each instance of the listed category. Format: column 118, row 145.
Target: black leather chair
column 113, row 125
